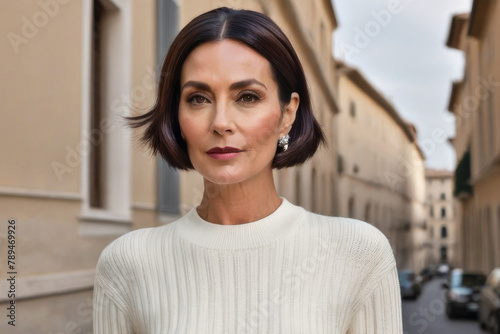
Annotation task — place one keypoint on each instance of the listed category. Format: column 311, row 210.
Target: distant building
column 381, row 167
column 74, row 177
column 441, row 216
column 475, row 103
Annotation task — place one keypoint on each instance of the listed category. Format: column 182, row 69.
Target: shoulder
column 130, row 250
column 350, row 231
column 360, row 244
column 139, row 240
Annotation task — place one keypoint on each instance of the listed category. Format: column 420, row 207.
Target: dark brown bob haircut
column 257, row 31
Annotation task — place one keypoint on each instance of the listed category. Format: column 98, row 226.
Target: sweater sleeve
column 108, row 318
column 112, row 293
column 381, row 312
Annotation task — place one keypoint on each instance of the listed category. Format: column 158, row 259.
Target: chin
column 223, row 177
column 232, row 172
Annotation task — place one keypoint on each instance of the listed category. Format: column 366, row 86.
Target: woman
column 233, row 104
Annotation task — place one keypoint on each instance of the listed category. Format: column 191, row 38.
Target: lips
column 223, row 153
column 226, row 149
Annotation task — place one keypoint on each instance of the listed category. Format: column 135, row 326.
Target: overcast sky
column 399, row 46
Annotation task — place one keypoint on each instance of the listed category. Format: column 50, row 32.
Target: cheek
column 189, row 128
column 264, row 131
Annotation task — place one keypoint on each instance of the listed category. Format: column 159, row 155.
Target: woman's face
column 229, row 112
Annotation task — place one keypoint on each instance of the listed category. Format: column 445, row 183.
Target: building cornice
column 478, row 17
column 455, row 89
column 331, row 13
column 438, row 174
column 36, row 286
column 458, row 23
column 40, row 193
column 290, row 11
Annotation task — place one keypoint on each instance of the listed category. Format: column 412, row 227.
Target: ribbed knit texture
column 291, row 272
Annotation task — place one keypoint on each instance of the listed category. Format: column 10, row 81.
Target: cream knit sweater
column 291, row 272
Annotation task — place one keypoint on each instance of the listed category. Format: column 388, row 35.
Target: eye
column 197, row 99
column 249, row 97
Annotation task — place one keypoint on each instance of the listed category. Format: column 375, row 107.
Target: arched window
column 367, row 212
column 351, row 207
column 444, row 232
column 444, row 254
column 443, row 212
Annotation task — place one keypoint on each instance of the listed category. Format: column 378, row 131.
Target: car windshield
column 467, row 280
column 406, row 276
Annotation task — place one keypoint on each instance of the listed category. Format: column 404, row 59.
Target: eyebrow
column 246, row 83
column 236, row 85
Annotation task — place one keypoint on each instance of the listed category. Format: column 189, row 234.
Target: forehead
column 225, row 60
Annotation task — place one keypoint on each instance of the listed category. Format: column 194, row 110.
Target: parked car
column 443, row 270
column 428, row 273
column 489, row 303
column 462, row 293
column 409, row 284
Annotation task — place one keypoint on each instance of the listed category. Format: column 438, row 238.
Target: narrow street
column 427, row 315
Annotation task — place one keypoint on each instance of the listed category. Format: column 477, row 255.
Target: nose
column 222, row 121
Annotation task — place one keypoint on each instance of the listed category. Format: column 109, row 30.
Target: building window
column 431, row 211
column 443, row 196
column 491, row 123
column 481, row 134
column 443, row 212
column 351, row 208
column 444, row 232
column 489, row 245
column 352, row 109
column 106, row 173
column 96, row 163
column 367, row 212
column 167, row 177
column 444, row 254
column 340, row 164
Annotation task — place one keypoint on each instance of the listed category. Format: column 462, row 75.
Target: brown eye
column 200, row 99
column 197, row 99
column 249, row 98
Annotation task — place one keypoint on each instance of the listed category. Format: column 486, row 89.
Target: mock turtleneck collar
column 249, row 235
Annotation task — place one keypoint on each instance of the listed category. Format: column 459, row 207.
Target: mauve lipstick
column 223, row 153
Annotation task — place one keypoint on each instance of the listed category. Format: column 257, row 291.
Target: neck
column 238, row 203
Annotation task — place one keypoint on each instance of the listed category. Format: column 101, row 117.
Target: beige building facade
column 475, row 103
column 73, row 177
column 381, row 168
column 441, row 217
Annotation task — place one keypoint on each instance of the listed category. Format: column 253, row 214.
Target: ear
column 289, row 114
